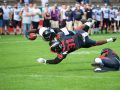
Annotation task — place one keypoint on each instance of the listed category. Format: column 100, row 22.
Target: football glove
column 41, row 60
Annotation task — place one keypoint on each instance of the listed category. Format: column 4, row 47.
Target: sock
column 110, row 40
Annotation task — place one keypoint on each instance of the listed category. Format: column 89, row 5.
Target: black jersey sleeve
column 58, row 59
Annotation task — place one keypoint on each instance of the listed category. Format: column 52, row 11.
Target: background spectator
column 55, row 17
column 1, row 20
column 16, row 19
column 6, row 18
column 62, row 15
column 36, row 16
column 77, row 15
column 106, row 16
column 26, row 19
column 47, row 16
column 69, row 18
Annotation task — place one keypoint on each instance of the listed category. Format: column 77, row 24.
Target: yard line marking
column 74, row 76
column 14, row 42
column 61, row 76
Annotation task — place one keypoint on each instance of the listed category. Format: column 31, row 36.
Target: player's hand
column 41, row 60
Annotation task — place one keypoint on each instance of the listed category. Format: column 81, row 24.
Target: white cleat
column 97, row 70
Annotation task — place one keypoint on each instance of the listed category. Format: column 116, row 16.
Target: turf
column 20, row 71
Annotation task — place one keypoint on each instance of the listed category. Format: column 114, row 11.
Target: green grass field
column 20, row 71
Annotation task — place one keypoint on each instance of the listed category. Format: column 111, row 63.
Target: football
column 32, row 36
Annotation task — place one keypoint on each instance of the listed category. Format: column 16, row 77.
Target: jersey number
column 70, row 44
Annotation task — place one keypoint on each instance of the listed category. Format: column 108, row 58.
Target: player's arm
column 86, row 26
column 57, row 60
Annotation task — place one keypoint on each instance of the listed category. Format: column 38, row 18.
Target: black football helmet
column 49, row 34
column 56, row 46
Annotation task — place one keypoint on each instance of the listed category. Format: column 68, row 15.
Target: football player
column 63, row 44
column 107, row 61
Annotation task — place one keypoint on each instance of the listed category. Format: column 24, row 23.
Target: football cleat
column 96, row 65
column 114, row 39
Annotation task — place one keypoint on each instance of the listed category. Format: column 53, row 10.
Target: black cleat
column 96, row 65
column 114, row 39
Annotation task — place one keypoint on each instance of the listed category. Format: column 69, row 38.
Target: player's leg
column 7, row 26
column 15, row 23
column 106, row 64
column 89, row 42
column 103, row 25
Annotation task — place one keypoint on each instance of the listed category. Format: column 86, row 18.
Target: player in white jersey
column 36, row 16
column 26, row 19
column 6, row 18
column 106, row 15
column 112, row 19
column 16, row 19
column 93, row 12
column 98, row 18
column 117, row 19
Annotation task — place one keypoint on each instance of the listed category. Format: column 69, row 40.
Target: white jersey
column 16, row 14
column 36, row 17
column 26, row 19
column 63, row 14
column 6, row 15
column 93, row 13
column 98, row 15
column 112, row 13
column 117, row 16
column 106, row 13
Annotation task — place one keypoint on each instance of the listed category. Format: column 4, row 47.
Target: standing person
column 47, row 16
column 36, row 16
column 106, row 16
column 88, row 11
column 117, row 20
column 62, row 15
column 26, row 19
column 69, row 18
column 1, row 20
column 55, row 17
column 16, row 18
column 112, row 19
column 77, row 15
column 6, row 18
column 98, row 18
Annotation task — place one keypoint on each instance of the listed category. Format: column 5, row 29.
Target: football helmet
column 47, row 34
column 56, row 46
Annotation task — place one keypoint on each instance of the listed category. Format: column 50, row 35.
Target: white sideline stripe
column 62, row 76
